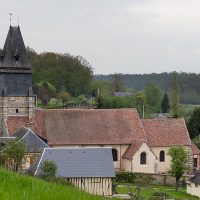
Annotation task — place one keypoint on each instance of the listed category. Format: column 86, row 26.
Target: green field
column 18, row 187
column 146, row 192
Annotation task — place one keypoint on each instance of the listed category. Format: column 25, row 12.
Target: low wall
column 167, row 179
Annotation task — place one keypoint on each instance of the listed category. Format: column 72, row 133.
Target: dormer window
column 16, row 56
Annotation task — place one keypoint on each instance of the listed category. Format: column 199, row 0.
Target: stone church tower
column 16, row 95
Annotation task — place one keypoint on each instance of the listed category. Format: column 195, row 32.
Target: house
column 33, row 143
column 90, row 169
column 196, row 156
column 193, row 186
column 137, row 145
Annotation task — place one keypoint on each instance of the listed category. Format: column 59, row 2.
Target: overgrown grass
column 20, row 187
column 147, row 192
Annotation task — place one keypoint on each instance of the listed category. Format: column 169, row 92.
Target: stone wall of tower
column 15, row 106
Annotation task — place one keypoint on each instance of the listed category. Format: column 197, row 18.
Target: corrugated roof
column 89, row 126
column 80, row 162
column 166, row 132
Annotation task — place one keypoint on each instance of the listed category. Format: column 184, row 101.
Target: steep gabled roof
column 14, row 45
column 195, row 149
column 166, row 132
column 79, row 162
column 89, row 126
column 14, row 123
column 32, row 142
column 132, row 149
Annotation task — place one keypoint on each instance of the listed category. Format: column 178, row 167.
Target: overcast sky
column 123, row 36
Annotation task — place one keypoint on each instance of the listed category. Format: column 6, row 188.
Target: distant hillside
column 15, row 186
column 189, row 83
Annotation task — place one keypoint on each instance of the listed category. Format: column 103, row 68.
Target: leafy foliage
column 45, row 91
column 179, row 162
column 175, row 99
column 48, row 168
column 153, row 96
column 193, row 124
column 165, row 104
column 13, row 155
column 74, row 74
column 64, row 97
column 188, row 83
column 196, row 141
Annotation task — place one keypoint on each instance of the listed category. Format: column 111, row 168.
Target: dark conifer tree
column 165, row 104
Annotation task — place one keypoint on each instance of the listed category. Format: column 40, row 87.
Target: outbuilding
column 90, row 169
column 193, row 186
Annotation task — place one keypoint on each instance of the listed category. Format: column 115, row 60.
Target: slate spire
column 15, row 68
column 14, row 53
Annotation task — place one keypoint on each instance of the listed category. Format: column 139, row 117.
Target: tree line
column 188, row 83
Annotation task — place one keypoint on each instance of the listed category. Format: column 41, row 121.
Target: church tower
column 16, row 95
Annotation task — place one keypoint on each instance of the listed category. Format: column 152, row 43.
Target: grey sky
column 124, row 36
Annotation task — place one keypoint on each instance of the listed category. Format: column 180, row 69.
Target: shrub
column 48, row 168
column 57, row 180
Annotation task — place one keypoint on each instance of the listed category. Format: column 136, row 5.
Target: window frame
column 143, row 158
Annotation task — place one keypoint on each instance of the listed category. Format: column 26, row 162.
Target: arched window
column 114, row 154
column 162, row 156
column 143, row 158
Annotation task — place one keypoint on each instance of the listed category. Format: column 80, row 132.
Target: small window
column 195, row 162
column 143, row 158
column 162, row 156
column 114, row 154
column 17, row 110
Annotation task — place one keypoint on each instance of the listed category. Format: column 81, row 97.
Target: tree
column 64, row 97
column 48, row 168
column 193, row 124
column 153, row 97
column 45, row 91
column 196, row 141
column 117, row 84
column 165, row 104
column 175, row 99
column 14, row 154
column 179, row 163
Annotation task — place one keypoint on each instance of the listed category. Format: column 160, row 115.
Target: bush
column 161, row 194
column 48, row 168
column 125, row 177
column 57, row 180
column 129, row 177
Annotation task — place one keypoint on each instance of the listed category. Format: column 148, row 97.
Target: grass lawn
column 18, row 187
column 146, row 192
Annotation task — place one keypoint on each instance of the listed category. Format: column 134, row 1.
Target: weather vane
column 10, row 18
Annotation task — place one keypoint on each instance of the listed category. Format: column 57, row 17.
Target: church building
column 137, row 145
column 16, row 95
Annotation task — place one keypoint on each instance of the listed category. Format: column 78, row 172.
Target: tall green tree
column 175, row 97
column 179, row 163
column 45, row 91
column 153, row 97
column 194, row 123
column 13, row 155
column 117, row 83
column 64, row 97
column 165, row 104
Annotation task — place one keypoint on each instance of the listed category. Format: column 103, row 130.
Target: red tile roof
column 195, row 149
column 166, row 132
column 132, row 149
column 15, row 122
column 89, row 126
